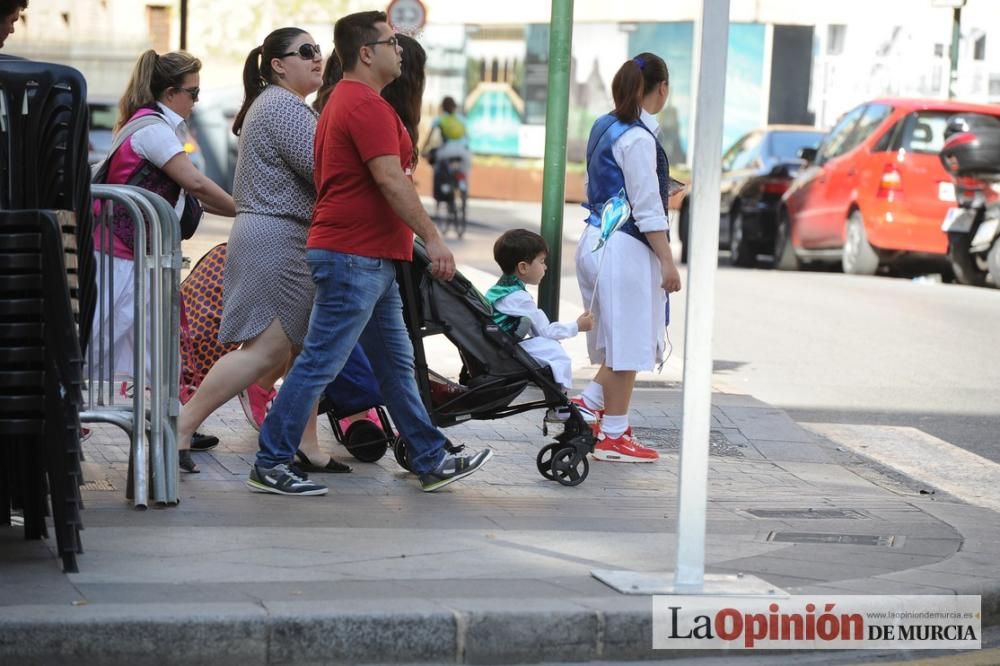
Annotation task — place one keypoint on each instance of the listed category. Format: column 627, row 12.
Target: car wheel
column 685, row 231
column 964, row 265
column 740, row 252
column 858, row 257
column 784, row 254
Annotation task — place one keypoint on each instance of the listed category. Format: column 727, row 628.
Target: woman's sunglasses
column 306, row 52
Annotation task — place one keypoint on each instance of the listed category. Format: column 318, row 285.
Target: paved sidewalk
column 496, row 569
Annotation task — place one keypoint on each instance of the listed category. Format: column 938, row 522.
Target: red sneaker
column 580, row 402
column 623, row 449
column 255, row 402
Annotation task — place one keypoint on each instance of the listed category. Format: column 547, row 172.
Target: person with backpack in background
column 454, row 136
column 149, row 153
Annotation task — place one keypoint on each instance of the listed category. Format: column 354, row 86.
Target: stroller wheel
column 569, row 467
column 365, row 441
column 401, row 454
column 545, row 458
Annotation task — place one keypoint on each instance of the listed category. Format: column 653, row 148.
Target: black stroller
column 495, row 369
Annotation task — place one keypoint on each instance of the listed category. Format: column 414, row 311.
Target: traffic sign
column 406, row 15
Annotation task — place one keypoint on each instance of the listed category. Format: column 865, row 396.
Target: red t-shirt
column 351, row 214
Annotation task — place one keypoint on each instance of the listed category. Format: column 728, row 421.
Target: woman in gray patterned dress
column 268, row 287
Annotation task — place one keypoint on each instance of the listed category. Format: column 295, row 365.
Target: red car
column 874, row 191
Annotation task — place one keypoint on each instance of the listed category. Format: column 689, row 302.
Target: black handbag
column 191, row 216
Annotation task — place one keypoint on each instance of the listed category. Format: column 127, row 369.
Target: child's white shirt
column 521, row 304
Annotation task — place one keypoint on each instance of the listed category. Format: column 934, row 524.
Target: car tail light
column 774, row 186
column 891, row 182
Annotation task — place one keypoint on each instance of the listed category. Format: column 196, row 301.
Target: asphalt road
column 826, row 347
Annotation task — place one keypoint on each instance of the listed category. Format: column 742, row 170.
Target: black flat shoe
column 200, row 442
column 187, row 462
column 332, row 467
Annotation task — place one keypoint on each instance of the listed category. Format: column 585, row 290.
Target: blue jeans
column 357, row 300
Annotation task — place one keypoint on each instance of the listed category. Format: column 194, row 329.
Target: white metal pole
column 712, row 43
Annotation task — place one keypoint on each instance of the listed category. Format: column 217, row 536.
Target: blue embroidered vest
column 605, row 177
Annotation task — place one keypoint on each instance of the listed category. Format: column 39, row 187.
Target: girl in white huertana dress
column 637, row 271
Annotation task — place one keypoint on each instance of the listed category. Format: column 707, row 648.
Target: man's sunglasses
column 392, row 41
column 190, row 91
column 306, row 52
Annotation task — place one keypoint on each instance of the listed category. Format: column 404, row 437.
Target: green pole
column 956, row 35
column 554, row 175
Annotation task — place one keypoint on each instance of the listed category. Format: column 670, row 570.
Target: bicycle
column 451, row 189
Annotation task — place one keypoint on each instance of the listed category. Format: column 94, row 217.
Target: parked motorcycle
column 971, row 154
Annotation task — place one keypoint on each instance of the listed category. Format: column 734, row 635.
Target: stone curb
column 479, row 631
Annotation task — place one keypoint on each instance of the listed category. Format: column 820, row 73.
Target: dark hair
column 633, row 80
column 7, row 7
column 152, row 76
column 515, row 246
column 406, row 93
column 448, row 105
column 351, row 32
column 333, row 72
column 257, row 72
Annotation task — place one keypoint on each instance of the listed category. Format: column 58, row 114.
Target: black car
column 756, row 171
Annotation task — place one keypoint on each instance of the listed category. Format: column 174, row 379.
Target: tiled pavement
column 489, row 570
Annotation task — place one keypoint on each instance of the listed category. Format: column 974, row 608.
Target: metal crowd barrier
column 152, row 428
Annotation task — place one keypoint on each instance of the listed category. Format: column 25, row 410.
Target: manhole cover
column 840, row 539
column 812, row 514
column 665, row 438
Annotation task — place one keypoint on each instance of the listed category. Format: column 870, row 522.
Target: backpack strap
column 100, row 172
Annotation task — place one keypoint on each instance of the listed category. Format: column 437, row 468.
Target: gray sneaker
column 281, row 480
column 454, row 467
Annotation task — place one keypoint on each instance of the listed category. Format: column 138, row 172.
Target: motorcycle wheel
column 993, row 261
column 963, row 263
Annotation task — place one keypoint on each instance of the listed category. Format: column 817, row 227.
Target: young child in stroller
column 521, row 256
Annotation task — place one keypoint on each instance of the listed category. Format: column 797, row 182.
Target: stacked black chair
column 44, row 125
column 41, row 378
column 47, row 294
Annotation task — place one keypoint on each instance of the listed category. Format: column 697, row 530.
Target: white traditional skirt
column 112, row 338
column 630, row 306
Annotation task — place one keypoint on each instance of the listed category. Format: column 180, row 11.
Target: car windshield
column 786, row 145
column 103, row 117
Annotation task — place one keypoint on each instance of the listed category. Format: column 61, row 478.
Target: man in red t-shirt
column 366, row 213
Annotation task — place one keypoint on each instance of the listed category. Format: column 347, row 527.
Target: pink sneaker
column 623, row 449
column 371, row 415
column 255, row 402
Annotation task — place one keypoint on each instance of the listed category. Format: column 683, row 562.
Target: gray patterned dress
column 266, row 275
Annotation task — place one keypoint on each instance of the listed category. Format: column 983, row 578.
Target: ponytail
column 333, row 72
column 152, row 76
column 634, row 79
column 138, row 93
column 257, row 72
column 253, row 84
